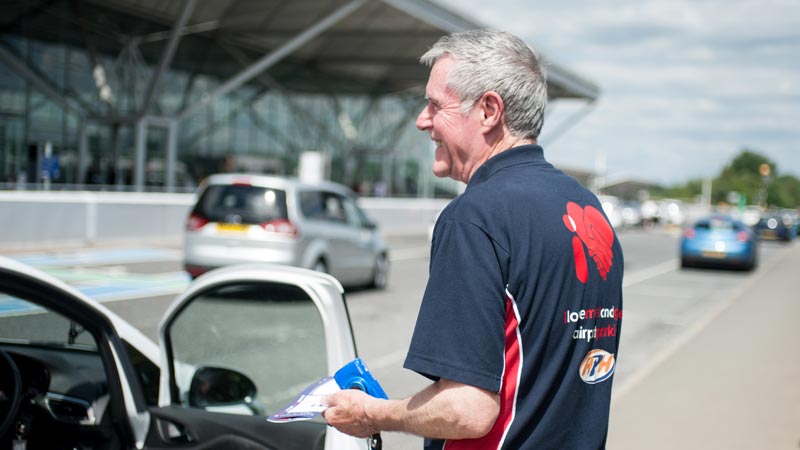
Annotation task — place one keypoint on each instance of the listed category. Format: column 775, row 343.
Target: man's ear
column 491, row 108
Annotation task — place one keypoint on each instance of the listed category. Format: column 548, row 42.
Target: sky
column 685, row 84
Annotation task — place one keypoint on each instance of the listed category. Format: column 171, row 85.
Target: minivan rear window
column 241, row 204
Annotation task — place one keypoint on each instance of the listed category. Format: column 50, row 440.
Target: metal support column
column 172, row 154
column 140, row 144
column 83, row 151
column 169, row 53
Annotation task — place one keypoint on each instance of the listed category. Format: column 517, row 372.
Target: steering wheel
column 10, row 387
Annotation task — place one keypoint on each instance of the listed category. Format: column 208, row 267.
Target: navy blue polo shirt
column 525, row 299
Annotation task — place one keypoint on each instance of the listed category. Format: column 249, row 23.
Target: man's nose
column 424, row 119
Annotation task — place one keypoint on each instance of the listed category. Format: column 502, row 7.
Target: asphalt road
column 703, row 361
column 728, row 379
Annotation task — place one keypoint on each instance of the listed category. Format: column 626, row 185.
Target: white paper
column 309, row 403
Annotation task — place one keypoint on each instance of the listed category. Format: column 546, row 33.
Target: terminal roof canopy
column 372, row 49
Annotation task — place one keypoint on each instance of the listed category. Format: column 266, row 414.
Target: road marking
column 99, row 257
column 683, row 339
column 650, row 272
column 11, row 306
column 83, row 270
column 104, row 287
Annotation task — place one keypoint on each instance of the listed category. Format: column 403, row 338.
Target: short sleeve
column 459, row 334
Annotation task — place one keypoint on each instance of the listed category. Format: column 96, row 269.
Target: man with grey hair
column 518, row 329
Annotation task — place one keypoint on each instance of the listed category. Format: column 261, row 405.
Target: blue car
column 776, row 227
column 719, row 241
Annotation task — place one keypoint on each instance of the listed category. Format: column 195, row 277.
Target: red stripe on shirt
column 508, row 388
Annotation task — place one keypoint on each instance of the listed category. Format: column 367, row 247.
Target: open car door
column 237, row 346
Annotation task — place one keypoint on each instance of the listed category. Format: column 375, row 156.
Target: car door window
column 270, row 333
column 63, row 379
column 355, row 216
column 25, row 322
column 334, row 209
column 312, row 205
column 323, row 206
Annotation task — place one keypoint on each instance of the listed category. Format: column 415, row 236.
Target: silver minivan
column 255, row 218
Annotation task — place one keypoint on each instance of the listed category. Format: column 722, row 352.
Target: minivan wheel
column 320, row 266
column 380, row 274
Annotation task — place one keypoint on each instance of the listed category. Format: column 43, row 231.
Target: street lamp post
column 764, row 169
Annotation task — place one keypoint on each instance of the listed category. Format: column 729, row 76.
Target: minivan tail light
column 195, row 222
column 281, row 226
column 742, row 236
column 689, row 233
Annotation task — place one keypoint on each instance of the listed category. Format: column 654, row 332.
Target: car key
column 20, row 443
column 375, row 442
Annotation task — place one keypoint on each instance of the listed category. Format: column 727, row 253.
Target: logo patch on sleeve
column 597, row 366
column 593, row 231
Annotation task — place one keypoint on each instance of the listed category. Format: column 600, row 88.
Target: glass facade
column 75, row 113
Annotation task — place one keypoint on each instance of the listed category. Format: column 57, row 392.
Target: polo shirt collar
column 511, row 157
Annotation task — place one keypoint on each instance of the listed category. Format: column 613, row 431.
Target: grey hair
column 492, row 60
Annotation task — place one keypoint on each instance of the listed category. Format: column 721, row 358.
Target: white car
column 239, row 344
column 613, row 209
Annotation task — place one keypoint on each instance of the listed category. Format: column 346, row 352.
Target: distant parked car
column 750, row 215
column 793, row 216
column 631, row 214
column 613, row 209
column 671, row 212
column 774, row 226
column 253, row 218
column 719, row 241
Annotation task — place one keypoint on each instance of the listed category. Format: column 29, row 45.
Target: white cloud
column 685, row 84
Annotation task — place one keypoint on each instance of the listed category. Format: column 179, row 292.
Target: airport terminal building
column 154, row 95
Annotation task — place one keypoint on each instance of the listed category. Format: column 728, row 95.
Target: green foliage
column 784, row 192
column 748, row 162
column 686, row 192
column 743, row 176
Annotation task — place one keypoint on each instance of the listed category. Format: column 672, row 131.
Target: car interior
column 54, row 389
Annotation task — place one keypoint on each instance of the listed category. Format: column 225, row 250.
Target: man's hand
column 443, row 410
column 347, row 412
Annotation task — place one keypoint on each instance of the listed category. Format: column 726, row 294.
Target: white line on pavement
column 662, row 355
column 650, row 272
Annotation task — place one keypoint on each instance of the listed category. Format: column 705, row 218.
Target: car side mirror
column 217, row 386
column 370, row 226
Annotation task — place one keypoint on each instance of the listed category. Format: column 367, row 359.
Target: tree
column 749, row 162
column 784, row 192
column 743, row 176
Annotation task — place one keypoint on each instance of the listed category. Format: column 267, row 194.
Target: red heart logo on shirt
column 594, row 232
